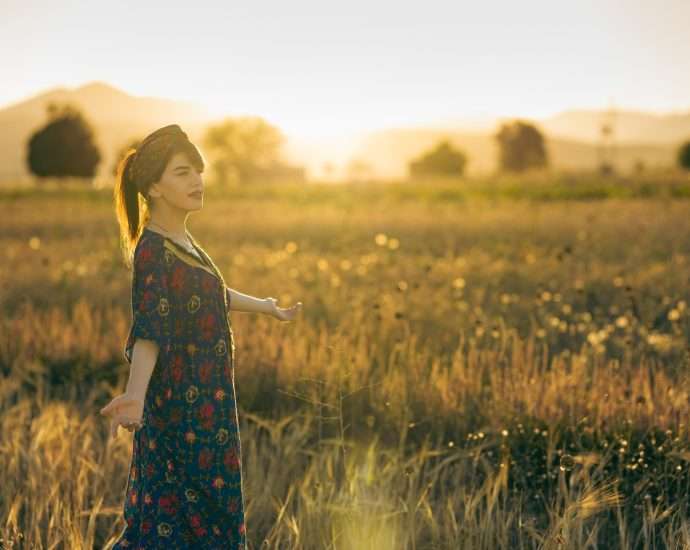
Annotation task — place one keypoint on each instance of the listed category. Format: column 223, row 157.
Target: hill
column 572, row 136
column 115, row 115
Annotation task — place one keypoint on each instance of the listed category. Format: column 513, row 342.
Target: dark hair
column 137, row 170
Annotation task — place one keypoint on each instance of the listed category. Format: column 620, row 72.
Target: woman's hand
column 124, row 409
column 282, row 313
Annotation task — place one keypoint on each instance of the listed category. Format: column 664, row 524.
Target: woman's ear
column 154, row 191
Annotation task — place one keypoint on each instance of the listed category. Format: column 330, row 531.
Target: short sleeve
column 227, row 293
column 150, row 297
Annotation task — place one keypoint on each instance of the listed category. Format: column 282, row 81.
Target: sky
column 317, row 68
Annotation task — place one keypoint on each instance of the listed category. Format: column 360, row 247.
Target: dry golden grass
column 466, row 374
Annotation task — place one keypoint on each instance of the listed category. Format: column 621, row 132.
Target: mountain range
column 573, row 137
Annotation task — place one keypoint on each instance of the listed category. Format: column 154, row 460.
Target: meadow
column 478, row 365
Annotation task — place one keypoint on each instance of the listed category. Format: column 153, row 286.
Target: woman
column 184, row 487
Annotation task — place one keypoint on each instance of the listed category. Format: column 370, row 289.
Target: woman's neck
column 174, row 226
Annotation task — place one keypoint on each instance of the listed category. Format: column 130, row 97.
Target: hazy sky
column 315, row 66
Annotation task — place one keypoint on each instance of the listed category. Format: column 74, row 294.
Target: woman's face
column 178, row 183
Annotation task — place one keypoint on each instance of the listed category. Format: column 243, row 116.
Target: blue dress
column 184, row 488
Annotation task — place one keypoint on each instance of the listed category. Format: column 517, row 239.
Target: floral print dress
column 184, row 488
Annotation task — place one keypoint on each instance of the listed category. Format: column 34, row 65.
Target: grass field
column 499, row 365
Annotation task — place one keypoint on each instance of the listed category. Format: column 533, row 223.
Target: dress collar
column 181, row 253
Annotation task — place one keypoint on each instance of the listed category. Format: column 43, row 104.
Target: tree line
column 521, row 147
column 247, row 149
column 242, row 150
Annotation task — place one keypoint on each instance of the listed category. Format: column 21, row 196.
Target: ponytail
column 127, row 206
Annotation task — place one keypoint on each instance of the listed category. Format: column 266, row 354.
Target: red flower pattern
column 205, row 371
column 169, row 504
column 231, row 460
column 207, row 326
column 177, row 368
column 205, row 459
column 206, row 415
column 177, row 281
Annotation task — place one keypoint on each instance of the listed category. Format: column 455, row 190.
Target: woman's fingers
column 130, row 423
column 110, row 406
column 117, row 418
column 288, row 314
column 124, row 410
column 126, row 423
column 121, row 402
column 115, row 404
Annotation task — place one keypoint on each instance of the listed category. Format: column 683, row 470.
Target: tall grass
column 470, row 374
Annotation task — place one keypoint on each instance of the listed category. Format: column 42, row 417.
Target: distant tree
column 639, row 167
column 443, row 160
column 281, row 171
column 328, row 168
column 122, row 151
column 684, row 156
column 64, row 147
column 521, row 147
column 606, row 168
column 244, row 149
column 359, row 170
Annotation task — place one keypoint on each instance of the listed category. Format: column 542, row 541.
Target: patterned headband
column 165, row 135
column 172, row 131
column 155, row 144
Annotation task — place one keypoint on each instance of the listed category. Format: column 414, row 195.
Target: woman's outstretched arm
column 237, row 301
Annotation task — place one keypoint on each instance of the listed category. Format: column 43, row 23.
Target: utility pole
column 607, row 144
